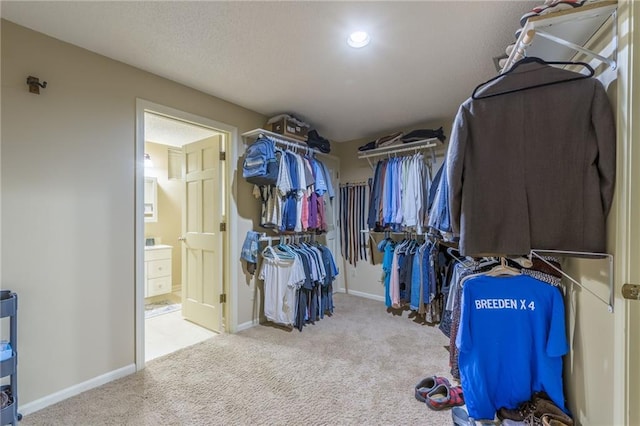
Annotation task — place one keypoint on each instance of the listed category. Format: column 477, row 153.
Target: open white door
column 202, row 255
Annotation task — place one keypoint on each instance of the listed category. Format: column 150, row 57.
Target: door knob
column 182, row 238
column 631, row 291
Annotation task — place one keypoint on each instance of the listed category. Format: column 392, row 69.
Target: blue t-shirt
column 511, row 339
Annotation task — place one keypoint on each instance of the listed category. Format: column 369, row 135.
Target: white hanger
column 502, row 269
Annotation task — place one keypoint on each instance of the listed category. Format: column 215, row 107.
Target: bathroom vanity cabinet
column 157, row 270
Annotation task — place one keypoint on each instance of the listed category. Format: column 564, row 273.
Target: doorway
column 182, row 203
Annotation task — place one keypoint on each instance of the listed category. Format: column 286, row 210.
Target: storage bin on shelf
column 287, row 127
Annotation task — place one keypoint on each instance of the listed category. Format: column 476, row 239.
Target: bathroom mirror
column 150, row 199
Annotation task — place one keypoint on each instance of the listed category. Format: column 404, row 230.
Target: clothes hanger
column 502, row 269
column 466, row 263
column 529, row 60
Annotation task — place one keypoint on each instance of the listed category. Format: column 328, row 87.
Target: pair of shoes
column 367, row 146
column 421, row 134
column 547, row 411
column 443, row 397
column 545, row 407
column 427, row 384
column 535, row 411
column 517, row 414
column 550, row 6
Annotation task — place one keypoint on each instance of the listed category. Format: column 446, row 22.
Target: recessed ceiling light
column 358, row 39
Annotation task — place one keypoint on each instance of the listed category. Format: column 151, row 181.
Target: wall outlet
column 353, row 273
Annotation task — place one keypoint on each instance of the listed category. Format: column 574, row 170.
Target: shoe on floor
column 443, row 397
column 533, row 411
column 545, row 407
column 427, row 384
column 552, row 7
column 554, row 420
column 518, row 414
column 460, row 417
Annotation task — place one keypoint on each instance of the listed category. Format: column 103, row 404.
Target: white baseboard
column 74, row 390
column 247, row 325
column 366, row 295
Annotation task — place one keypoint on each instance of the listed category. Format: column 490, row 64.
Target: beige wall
column 365, row 279
column 67, row 185
column 591, row 376
column 168, row 228
column 68, row 163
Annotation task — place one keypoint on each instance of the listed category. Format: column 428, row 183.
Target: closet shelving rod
column 265, row 237
column 280, row 140
column 582, row 255
column 394, row 149
column 587, row 13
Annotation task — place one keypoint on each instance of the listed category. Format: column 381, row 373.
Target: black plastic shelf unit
column 9, row 367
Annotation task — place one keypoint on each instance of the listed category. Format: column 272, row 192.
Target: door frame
column 627, row 246
column 230, row 244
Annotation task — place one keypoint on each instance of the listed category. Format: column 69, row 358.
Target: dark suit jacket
column 534, row 168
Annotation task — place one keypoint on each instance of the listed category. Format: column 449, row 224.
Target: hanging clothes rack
column 385, row 151
column 291, row 237
column 582, row 255
column 280, row 140
column 579, row 24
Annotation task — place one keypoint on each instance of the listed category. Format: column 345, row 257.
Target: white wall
column 68, row 162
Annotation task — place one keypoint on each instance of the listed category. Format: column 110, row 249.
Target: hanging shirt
column 374, row 199
column 387, row 265
column 511, row 339
column 302, row 187
column 313, row 211
column 271, row 206
column 387, row 202
column 318, row 174
column 327, row 179
column 284, row 184
column 281, row 277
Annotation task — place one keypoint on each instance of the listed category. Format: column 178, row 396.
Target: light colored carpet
column 357, row 367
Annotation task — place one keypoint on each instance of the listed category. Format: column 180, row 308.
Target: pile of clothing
column 398, row 138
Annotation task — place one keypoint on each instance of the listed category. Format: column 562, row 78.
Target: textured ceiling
column 167, row 131
column 425, row 58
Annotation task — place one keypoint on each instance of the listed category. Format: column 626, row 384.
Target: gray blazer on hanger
column 534, row 168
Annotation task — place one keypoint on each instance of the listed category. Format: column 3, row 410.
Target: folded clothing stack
column 422, row 134
column 290, row 117
column 400, row 137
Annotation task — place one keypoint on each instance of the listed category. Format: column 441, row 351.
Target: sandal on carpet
column 443, row 396
column 427, row 384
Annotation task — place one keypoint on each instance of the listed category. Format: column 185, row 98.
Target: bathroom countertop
column 157, row 246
